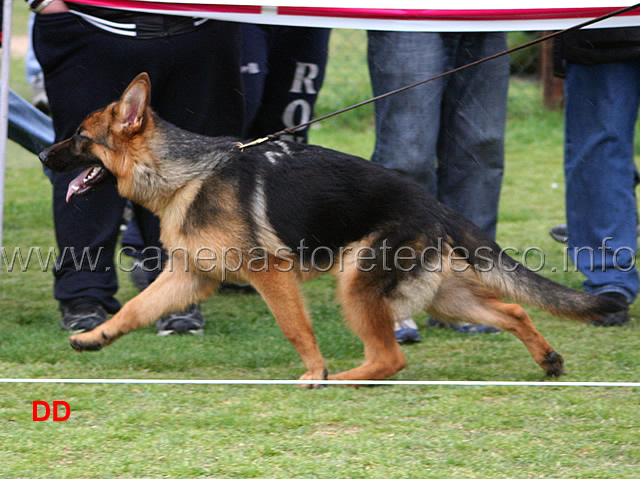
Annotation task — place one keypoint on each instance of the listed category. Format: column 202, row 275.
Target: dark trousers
column 282, row 72
column 195, row 84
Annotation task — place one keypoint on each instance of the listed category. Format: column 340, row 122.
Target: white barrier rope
column 298, row 382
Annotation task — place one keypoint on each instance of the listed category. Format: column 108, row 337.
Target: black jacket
column 596, row 45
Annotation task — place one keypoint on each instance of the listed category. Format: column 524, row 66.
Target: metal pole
column 4, row 99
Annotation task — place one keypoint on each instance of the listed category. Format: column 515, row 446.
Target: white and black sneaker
column 406, row 331
column 81, row 314
column 189, row 321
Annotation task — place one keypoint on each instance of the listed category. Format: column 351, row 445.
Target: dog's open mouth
column 83, row 183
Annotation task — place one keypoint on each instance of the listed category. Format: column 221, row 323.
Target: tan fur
column 282, row 294
column 371, row 317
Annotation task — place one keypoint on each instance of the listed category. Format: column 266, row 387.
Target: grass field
column 154, row 431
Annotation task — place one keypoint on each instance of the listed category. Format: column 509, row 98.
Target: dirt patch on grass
column 19, row 45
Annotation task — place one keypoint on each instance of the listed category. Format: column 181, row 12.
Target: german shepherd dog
column 280, row 213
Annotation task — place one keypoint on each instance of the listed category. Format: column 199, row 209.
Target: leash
column 544, row 38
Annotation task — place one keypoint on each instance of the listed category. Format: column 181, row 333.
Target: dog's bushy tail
column 511, row 279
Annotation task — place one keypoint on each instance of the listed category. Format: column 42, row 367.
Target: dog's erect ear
column 133, row 104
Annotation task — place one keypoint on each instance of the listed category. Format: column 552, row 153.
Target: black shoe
column 189, row 321
column 560, row 233
column 619, row 318
column 81, row 315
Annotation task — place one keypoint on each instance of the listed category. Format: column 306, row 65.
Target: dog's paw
column 87, row 341
column 553, row 364
column 309, row 376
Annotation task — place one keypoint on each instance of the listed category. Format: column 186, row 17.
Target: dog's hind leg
column 281, row 292
column 468, row 301
column 173, row 290
column 369, row 315
column 520, row 324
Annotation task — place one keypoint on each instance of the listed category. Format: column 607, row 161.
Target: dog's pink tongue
column 77, row 184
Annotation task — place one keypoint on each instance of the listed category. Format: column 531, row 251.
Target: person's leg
column 471, row 141
column 601, row 111
column 407, row 124
column 199, row 90
column 471, row 137
column 296, row 62
column 256, row 43
column 85, row 70
column 33, row 72
column 79, row 80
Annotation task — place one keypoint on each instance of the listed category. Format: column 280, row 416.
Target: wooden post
column 552, row 86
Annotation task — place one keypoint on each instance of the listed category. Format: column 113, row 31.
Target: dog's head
column 102, row 142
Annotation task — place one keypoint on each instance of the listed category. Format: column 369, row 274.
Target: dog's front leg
column 281, row 292
column 172, row 291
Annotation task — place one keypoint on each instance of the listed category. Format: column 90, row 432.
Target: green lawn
column 153, row 431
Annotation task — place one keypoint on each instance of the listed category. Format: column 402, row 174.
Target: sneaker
column 189, row 321
column 559, row 233
column 406, row 331
column 81, row 315
column 464, row 328
column 619, row 318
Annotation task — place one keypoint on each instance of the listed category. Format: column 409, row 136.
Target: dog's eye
column 80, row 135
column 80, row 138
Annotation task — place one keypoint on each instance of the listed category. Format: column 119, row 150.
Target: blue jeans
column 33, row 70
column 447, row 134
column 600, row 116
column 28, row 126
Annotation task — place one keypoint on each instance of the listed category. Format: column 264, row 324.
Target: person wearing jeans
column 447, row 134
column 602, row 95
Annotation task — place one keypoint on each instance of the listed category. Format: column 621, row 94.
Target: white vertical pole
column 4, row 99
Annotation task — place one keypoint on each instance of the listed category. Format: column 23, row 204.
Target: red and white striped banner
column 407, row 15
